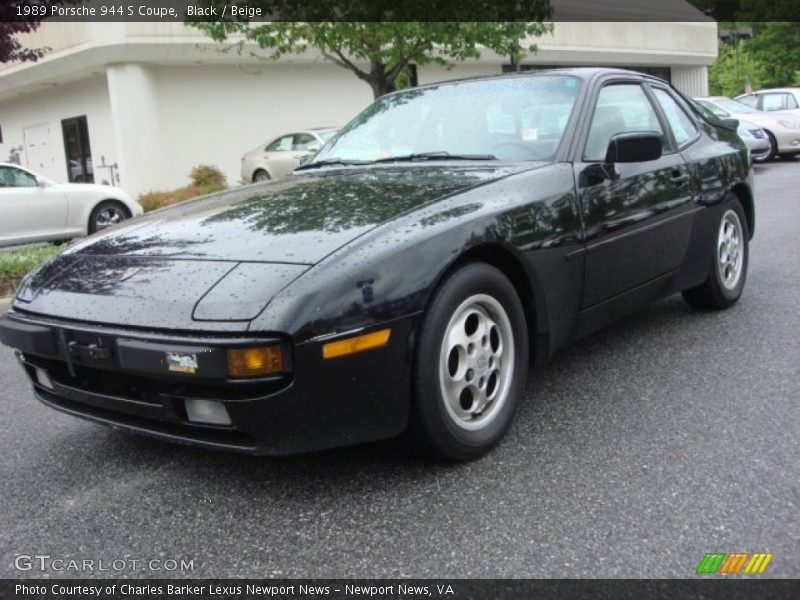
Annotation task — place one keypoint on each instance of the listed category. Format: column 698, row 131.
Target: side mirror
column 313, row 148
column 41, row 182
column 636, row 146
column 730, row 123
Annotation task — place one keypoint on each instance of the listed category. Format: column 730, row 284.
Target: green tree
column 776, row 46
column 722, row 77
column 387, row 47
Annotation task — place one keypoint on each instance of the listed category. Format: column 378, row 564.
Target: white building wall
column 692, row 81
column 40, row 114
column 213, row 114
column 136, row 120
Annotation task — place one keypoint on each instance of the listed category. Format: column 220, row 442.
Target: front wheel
column 773, row 148
column 106, row 214
column 471, row 364
column 730, row 253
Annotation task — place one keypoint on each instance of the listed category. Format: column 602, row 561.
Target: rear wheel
column 471, row 364
column 730, row 252
column 106, row 214
column 260, row 175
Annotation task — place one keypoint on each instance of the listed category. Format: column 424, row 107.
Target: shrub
column 208, row 176
column 205, row 180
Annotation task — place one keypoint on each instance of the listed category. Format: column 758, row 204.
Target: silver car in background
column 755, row 138
column 782, row 128
column 282, row 155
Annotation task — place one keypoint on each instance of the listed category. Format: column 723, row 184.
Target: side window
column 620, row 108
column 11, row 177
column 681, row 125
column 303, row 140
column 751, row 101
column 773, row 102
column 282, row 144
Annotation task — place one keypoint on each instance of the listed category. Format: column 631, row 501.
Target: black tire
column 714, row 293
column 773, row 148
column 434, row 428
column 97, row 219
column 260, row 176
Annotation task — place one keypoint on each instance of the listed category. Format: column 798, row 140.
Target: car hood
column 299, row 220
column 221, row 259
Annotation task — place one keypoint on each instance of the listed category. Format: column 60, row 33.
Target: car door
column 281, row 156
column 635, row 215
column 28, row 210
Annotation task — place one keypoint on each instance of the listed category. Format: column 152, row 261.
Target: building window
column 77, row 150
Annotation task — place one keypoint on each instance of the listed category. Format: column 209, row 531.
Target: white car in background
column 35, row 209
column 783, row 128
column 282, row 155
column 784, row 99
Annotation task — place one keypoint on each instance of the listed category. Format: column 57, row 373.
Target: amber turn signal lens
column 255, row 362
column 376, row 339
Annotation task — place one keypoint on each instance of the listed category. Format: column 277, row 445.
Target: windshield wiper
column 440, row 155
column 333, row 162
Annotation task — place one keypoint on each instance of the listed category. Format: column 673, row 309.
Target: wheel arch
column 745, row 196
column 524, row 281
column 93, row 207
column 256, row 170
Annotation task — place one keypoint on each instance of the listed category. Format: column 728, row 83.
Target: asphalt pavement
column 635, row 452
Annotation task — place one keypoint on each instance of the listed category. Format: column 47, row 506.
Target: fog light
column 359, row 343
column 207, row 411
column 255, row 362
column 43, row 378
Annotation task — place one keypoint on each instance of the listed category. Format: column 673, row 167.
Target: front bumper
column 315, row 404
column 788, row 141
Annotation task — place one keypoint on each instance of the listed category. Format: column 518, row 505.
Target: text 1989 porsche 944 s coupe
column 445, row 240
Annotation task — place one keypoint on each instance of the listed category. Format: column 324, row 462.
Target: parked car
column 756, row 139
column 750, row 133
column 405, row 278
column 282, row 155
column 35, row 209
column 783, row 99
column 783, row 129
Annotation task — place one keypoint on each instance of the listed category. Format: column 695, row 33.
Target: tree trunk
column 378, row 81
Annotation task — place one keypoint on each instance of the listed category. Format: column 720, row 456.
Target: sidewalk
column 4, row 304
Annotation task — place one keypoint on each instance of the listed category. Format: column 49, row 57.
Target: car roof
column 770, row 90
column 580, row 72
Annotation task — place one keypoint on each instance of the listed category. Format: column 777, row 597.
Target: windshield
column 513, row 118
column 732, row 106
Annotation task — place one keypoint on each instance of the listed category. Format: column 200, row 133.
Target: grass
column 15, row 263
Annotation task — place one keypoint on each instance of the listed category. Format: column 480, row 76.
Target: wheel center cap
column 482, row 361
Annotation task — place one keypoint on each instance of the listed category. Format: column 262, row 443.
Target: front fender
column 392, row 271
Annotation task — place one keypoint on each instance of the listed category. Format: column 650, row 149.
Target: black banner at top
column 354, row 10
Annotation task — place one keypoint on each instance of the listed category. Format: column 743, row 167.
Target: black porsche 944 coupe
column 404, row 280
